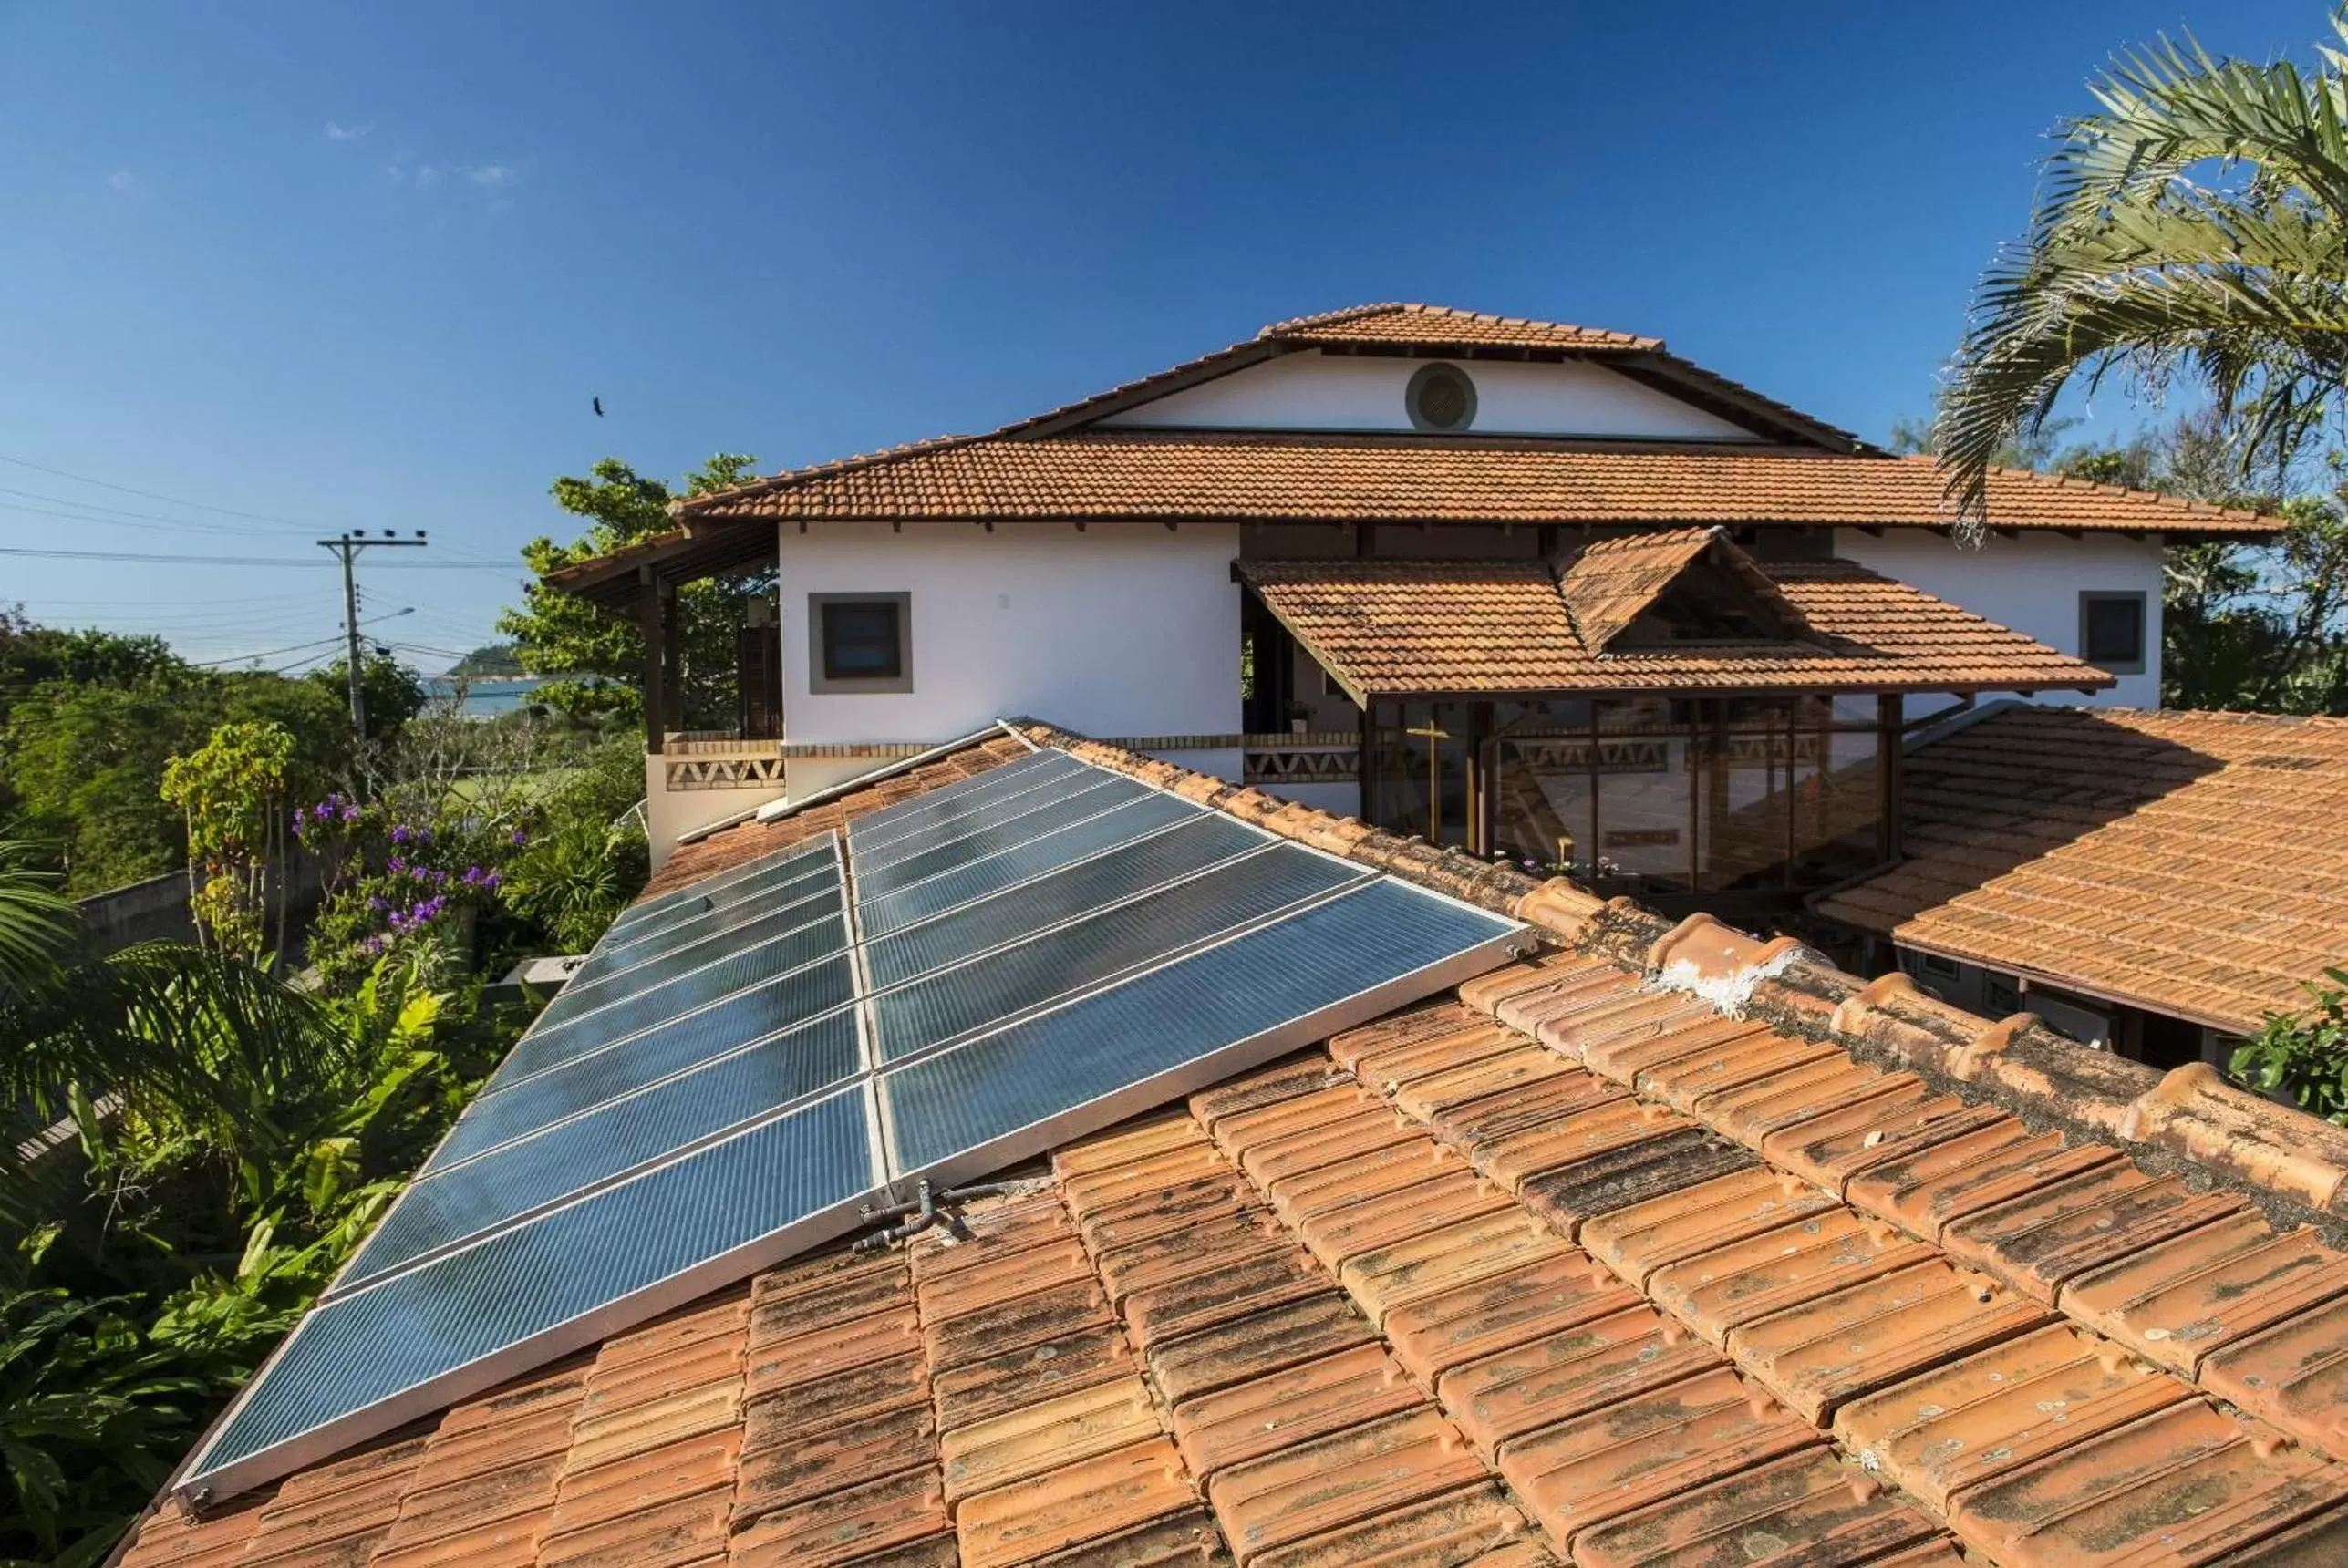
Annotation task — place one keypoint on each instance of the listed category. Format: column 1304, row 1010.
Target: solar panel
column 976, row 975
column 696, row 892
column 670, row 997
column 1178, row 1027
column 1097, row 947
column 919, row 856
column 373, row 1360
column 1046, row 852
column 807, row 928
column 1029, row 772
column 994, row 918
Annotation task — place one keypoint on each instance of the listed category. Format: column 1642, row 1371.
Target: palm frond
column 2196, row 225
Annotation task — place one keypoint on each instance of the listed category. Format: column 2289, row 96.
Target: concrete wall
column 1121, row 629
column 668, row 812
column 155, row 910
column 2030, row 584
column 1346, row 392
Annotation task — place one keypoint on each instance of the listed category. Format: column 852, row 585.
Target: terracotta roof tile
column 1807, row 1508
column 2180, row 862
column 1651, row 1447
column 1387, row 628
column 1271, row 477
column 1424, row 325
column 1665, row 1286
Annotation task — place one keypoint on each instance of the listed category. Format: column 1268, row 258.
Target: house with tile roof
column 1531, row 589
column 1330, row 1122
column 2155, row 881
column 1655, row 1244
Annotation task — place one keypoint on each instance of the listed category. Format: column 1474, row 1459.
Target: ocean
column 485, row 695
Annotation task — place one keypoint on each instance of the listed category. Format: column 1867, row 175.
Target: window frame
column 2088, row 599
column 821, row 682
column 1441, row 369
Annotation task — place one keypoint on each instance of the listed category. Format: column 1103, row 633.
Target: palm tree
column 2195, row 228
column 184, row 1036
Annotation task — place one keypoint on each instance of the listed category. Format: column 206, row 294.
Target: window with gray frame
column 859, row 643
column 2112, row 632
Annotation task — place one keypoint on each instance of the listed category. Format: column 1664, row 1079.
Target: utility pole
column 347, row 547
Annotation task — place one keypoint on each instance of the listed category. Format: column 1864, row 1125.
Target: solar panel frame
column 1501, row 940
column 716, row 882
column 935, row 857
column 1029, row 772
column 210, row 1472
column 1008, row 878
column 1063, row 846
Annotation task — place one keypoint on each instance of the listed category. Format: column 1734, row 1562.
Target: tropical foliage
column 2194, row 227
column 2302, row 1057
column 599, row 661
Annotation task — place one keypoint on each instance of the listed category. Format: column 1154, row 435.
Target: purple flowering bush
column 395, row 886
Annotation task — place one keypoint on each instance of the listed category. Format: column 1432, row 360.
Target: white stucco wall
column 1347, row 392
column 1123, row 629
column 2030, row 584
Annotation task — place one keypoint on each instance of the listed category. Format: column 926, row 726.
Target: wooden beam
column 647, row 625
column 672, row 658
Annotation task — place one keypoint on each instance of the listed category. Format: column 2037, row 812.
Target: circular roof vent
column 1441, row 398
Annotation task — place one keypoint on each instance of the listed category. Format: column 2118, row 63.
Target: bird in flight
column 599, row 407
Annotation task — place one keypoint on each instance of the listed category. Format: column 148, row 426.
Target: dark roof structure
column 1668, row 1245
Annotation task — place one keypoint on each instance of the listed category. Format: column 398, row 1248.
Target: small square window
column 859, row 643
column 2112, row 632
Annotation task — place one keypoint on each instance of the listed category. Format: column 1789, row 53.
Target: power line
column 120, row 516
column 152, row 495
column 296, row 647
column 242, row 560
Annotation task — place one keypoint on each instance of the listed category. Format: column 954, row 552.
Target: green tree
column 2302, row 1057
column 489, row 659
column 233, row 792
column 83, row 763
column 597, row 660
column 2194, row 227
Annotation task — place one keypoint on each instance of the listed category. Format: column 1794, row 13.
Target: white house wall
column 1314, row 391
column 2030, row 584
column 1123, row 629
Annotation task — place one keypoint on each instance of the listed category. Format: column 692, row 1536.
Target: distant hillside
column 490, row 659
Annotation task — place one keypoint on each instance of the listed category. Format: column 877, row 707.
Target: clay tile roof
column 1434, row 325
column 2188, row 863
column 1392, row 628
column 1246, row 477
column 1610, row 583
column 1666, row 1246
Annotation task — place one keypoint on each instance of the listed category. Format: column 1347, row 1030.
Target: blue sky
column 350, row 266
